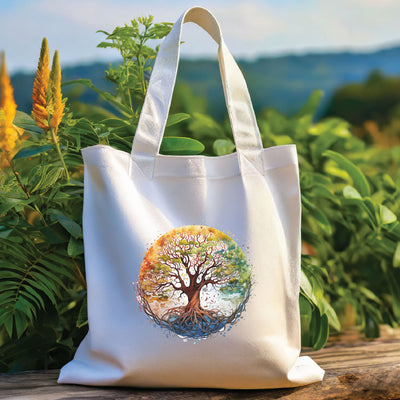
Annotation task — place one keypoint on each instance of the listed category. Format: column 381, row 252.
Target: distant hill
column 283, row 83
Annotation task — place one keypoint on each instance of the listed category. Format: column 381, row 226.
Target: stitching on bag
column 266, row 170
column 106, row 148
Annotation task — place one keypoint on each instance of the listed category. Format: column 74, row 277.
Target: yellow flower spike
column 8, row 108
column 4, row 162
column 40, row 89
column 56, row 103
column 55, row 106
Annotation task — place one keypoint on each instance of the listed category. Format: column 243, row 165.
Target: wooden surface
column 355, row 369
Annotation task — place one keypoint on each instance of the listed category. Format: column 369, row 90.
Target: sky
column 251, row 28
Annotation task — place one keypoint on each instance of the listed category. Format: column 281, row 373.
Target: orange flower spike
column 8, row 108
column 40, row 87
column 4, row 162
column 56, row 104
column 55, row 107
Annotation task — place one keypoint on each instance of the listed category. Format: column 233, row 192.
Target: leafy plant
column 349, row 227
column 131, row 81
column 42, row 284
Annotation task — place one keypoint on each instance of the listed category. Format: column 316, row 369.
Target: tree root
column 195, row 322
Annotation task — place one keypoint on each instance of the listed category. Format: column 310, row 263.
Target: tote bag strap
column 153, row 118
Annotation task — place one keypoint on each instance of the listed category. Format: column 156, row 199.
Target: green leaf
column 115, row 123
column 102, row 31
column 104, row 95
column 67, row 342
column 46, row 282
column 305, row 318
column 392, row 279
column 319, row 329
column 20, row 323
column 9, row 324
column 372, row 320
column 70, row 226
column 281, row 140
column 27, row 308
column 371, row 327
column 366, row 211
column 322, row 221
column 204, row 126
column 312, row 103
column 48, row 178
column 222, row 147
column 328, row 310
column 350, row 193
column 320, row 191
column 47, row 271
column 396, row 257
column 26, row 122
column 4, row 233
column 387, row 217
column 312, row 288
column 32, row 151
column 322, row 332
column 181, row 146
column 41, row 283
column 176, row 119
column 83, row 315
column 9, row 202
column 394, row 228
column 332, row 127
column 322, row 143
column 371, row 208
column 34, row 296
column 306, row 286
column 75, row 247
column 104, row 45
column 359, row 180
column 54, row 234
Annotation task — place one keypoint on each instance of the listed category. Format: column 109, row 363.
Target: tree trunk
column 193, row 300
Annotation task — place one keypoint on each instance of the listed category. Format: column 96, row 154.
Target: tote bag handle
column 153, row 118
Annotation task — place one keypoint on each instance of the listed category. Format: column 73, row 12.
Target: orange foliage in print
column 194, row 280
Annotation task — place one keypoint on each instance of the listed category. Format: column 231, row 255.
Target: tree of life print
column 194, row 281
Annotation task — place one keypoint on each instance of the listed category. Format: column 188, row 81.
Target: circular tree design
column 194, row 281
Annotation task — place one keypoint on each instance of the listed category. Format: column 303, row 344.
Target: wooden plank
column 355, row 369
column 364, row 384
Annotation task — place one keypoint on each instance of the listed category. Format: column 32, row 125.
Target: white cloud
column 94, row 14
column 342, row 24
column 243, row 22
column 250, row 27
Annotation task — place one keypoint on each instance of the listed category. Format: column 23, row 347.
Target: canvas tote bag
column 192, row 262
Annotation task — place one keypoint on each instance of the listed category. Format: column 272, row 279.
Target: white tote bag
column 192, row 262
